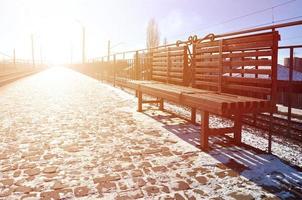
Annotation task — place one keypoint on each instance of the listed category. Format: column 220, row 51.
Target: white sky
column 56, row 24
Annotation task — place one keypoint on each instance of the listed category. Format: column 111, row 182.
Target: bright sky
column 57, row 24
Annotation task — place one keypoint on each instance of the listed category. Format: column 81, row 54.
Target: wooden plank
column 150, row 101
column 176, row 74
column 177, row 63
column 160, row 50
column 217, row 98
column 238, row 40
column 160, row 59
column 173, row 50
column 249, row 71
column 207, row 70
column 166, row 49
column 247, row 63
column 161, row 73
column 207, row 44
column 160, row 93
column 177, row 57
column 177, row 53
column 248, row 54
column 178, row 88
column 159, row 68
column 207, row 64
column 233, row 102
column 253, row 99
column 176, row 80
column 250, row 38
column 249, row 46
column 159, row 54
column 180, row 61
column 159, row 63
column 202, row 103
column 169, row 49
column 245, row 46
column 160, row 78
column 206, row 83
column 248, row 88
column 207, row 56
column 207, row 77
column 176, row 69
column 220, row 131
column 247, row 80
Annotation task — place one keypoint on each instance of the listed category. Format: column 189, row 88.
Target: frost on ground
column 65, row 135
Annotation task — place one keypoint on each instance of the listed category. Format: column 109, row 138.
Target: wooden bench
column 230, row 77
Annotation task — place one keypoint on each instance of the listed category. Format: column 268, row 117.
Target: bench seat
column 223, row 104
column 216, row 103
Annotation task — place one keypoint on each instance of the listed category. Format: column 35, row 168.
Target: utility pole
column 108, row 56
column 83, row 45
column 32, row 49
column 71, row 52
column 14, row 56
column 41, row 55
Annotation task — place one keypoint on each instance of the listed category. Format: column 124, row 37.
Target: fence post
column 136, row 66
column 185, row 71
column 220, row 67
column 193, row 63
column 150, row 63
column 289, row 89
column 274, row 86
column 114, row 69
column 169, row 65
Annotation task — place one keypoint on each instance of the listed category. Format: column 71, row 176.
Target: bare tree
column 153, row 37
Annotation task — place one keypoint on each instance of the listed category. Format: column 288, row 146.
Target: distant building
column 297, row 63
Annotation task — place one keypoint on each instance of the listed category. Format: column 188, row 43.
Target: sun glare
column 57, row 27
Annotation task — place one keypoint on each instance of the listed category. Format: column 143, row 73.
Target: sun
column 58, row 38
column 56, row 30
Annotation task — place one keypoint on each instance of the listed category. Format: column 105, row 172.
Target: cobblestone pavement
column 64, row 135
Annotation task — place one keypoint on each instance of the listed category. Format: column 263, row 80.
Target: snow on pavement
column 64, row 135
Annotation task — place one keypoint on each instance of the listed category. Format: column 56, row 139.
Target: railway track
column 9, row 77
column 281, row 126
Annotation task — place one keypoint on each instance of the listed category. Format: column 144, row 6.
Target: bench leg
column 140, row 101
column 204, row 137
column 161, row 104
column 193, row 115
column 237, row 129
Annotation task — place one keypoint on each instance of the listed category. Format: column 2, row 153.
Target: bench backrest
column 169, row 65
column 245, row 65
